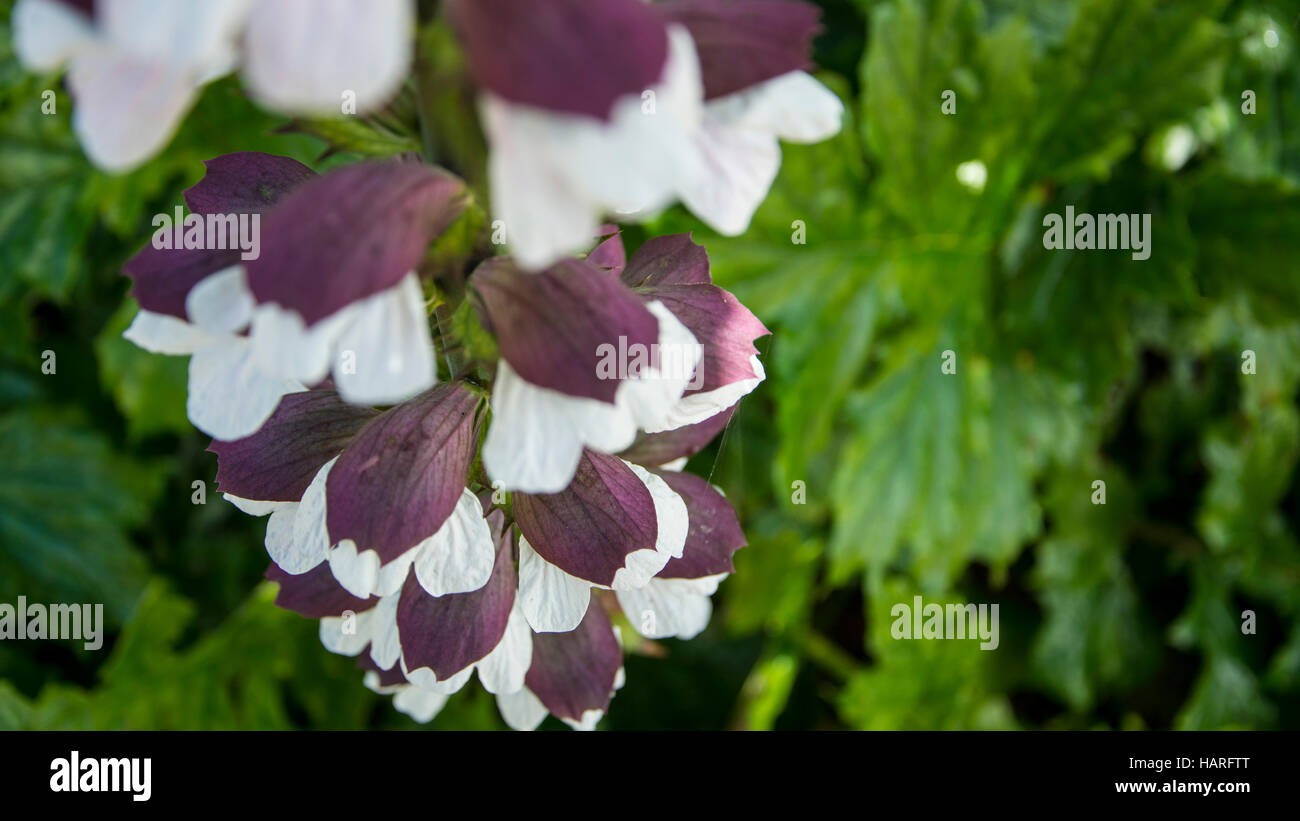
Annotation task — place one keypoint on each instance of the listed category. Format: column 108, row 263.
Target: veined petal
column 573, row 674
column 315, row 594
column 279, row 461
column 447, row 634
column 608, row 520
column 400, row 478
column 350, row 233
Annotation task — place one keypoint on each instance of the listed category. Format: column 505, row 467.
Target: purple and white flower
column 334, row 289
column 553, row 396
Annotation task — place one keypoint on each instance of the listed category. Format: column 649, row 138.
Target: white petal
column 670, row 513
column 740, row 167
column 669, row 607
column 47, row 33
column 163, row 333
column 700, row 406
column 306, row 543
column 552, row 175
column 195, row 36
column 358, row 573
column 503, row 670
column 544, row 215
column 521, row 709
column 287, row 348
column 652, row 398
column 126, row 109
column 254, row 507
column 537, row 434
column 391, row 349
column 552, row 600
column 794, row 107
column 229, row 396
column 460, row 556
column 424, row 677
column 588, row 722
column 385, row 646
column 221, row 303
column 347, row 636
column 418, row 703
column 302, row 55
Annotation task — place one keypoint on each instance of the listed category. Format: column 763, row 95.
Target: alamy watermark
column 213, row 232
column 676, row 361
column 77, row 622
column 1103, row 232
column 951, row 621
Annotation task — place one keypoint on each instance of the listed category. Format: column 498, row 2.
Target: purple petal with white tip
column 574, row 673
column 350, row 233
column 401, row 477
column 277, row 463
column 551, row 326
column 571, row 56
column 742, row 43
column 449, row 633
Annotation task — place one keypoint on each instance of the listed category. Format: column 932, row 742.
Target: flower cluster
column 481, row 490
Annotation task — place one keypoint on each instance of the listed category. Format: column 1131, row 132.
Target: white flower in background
column 135, row 67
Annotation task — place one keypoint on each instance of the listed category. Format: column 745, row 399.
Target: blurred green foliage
column 977, row 486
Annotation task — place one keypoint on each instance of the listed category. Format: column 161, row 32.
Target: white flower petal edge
column 380, row 348
column 504, row 669
column 521, row 710
column 385, row 646
column 697, row 407
column 302, row 57
column 633, row 163
column 221, row 304
column 296, row 538
column 640, row 566
column 460, row 556
column 165, row 334
column 256, row 507
column 347, row 635
column 552, row 601
column 229, row 397
column 537, row 434
column 390, row 342
column 420, row 704
column 652, row 398
column 47, row 33
column 670, row 607
column 740, row 148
